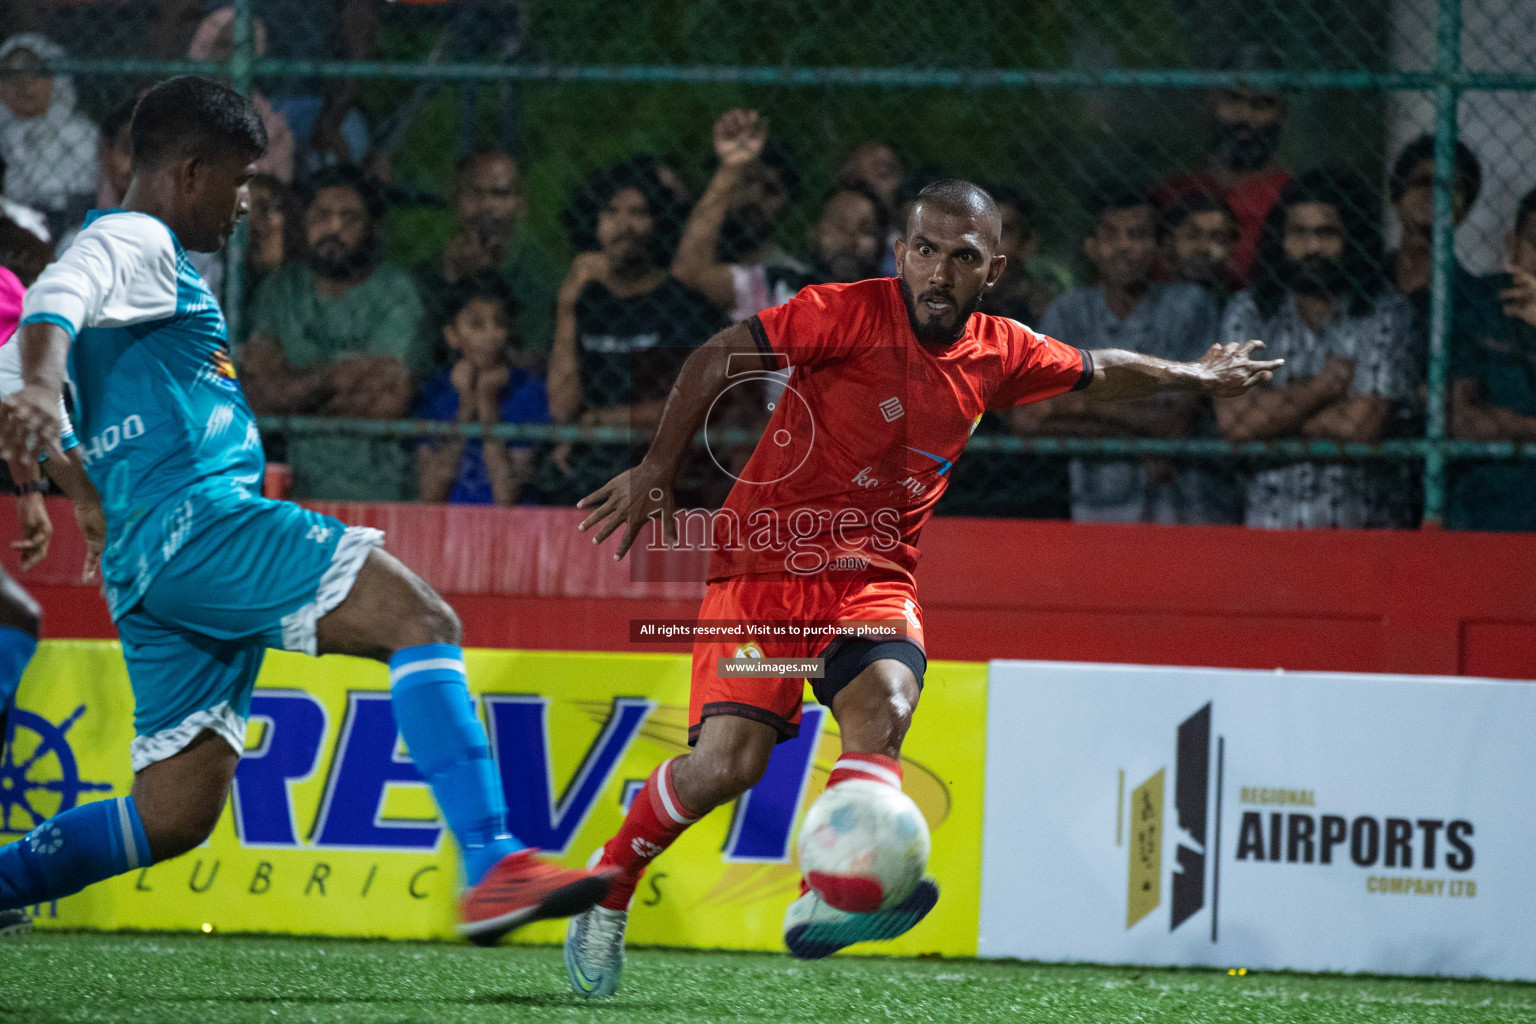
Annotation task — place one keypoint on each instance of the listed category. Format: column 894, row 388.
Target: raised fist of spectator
column 739, row 137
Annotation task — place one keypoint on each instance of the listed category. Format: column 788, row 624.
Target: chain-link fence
column 552, row 209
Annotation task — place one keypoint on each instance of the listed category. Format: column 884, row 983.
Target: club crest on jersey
column 748, row 650
column 220, row 370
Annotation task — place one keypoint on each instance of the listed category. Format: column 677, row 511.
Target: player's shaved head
column 949, row 258
column 964, row 199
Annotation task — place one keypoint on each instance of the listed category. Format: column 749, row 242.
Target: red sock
column 870, row 768
column 655, row 819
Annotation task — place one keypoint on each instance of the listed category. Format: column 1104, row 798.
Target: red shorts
column 812, row 602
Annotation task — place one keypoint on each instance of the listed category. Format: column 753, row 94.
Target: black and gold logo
column 1280, row 826
column 1191, row 794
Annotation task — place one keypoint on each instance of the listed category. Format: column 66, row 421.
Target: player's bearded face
column 938, row 326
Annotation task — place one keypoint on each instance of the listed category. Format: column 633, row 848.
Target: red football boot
column 523, row 887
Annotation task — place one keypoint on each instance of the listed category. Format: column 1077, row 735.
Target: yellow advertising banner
column 330, row 831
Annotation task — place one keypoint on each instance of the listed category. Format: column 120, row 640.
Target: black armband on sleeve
column 760, row 336
column 1087, row 376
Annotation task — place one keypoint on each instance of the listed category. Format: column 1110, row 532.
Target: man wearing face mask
column 339, row 335
column 1243, row 168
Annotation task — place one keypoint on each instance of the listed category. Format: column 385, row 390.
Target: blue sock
column 430, row 698
column 72, row 850
column 16, row 649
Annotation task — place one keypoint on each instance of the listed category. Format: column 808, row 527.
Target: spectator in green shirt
column 339, row 335
column 491, row 237
column 1493, row 393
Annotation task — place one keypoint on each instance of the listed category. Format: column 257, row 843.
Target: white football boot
column 594, row 948
column 813, row 930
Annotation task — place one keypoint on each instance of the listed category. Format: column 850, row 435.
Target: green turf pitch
column 165, row 979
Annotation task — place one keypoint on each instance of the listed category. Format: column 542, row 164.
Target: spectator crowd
column 490, row 331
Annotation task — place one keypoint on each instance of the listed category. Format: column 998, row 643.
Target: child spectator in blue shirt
column 483, row 386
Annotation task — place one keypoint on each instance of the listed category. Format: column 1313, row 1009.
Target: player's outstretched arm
column 1225, row 371
column 637, row 494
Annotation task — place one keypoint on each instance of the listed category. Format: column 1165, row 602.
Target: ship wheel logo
column 39, row 776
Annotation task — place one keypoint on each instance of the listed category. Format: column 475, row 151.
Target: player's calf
column 730, row 758
column 393, row 616
column 174, row 806
column 179, row 799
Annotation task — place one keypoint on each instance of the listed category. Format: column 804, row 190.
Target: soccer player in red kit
column 889, row 378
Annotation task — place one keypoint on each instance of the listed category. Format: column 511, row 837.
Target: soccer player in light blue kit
column 201, row 574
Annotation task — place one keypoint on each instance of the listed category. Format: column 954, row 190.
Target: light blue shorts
column 258, row 578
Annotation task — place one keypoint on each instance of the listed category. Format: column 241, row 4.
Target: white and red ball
column 863, row 846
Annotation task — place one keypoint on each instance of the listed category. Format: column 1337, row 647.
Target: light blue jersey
column 201, row 574
column 167, row 436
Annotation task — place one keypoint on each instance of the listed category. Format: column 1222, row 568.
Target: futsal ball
column 863, row 846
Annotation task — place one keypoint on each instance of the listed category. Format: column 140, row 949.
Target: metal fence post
column 1447, row 94
column 240, row 64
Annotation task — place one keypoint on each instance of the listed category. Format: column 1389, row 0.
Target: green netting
column 1060, row 107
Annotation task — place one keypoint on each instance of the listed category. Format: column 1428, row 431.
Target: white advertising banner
column 1302, row 821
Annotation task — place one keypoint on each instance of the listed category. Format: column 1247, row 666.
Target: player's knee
column 440, row 622
column 428, row 619
column 175, row 831
column 726, row 774
column 874, row 711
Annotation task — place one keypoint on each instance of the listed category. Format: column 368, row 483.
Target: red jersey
column 1250, row 204
column 859, row 447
